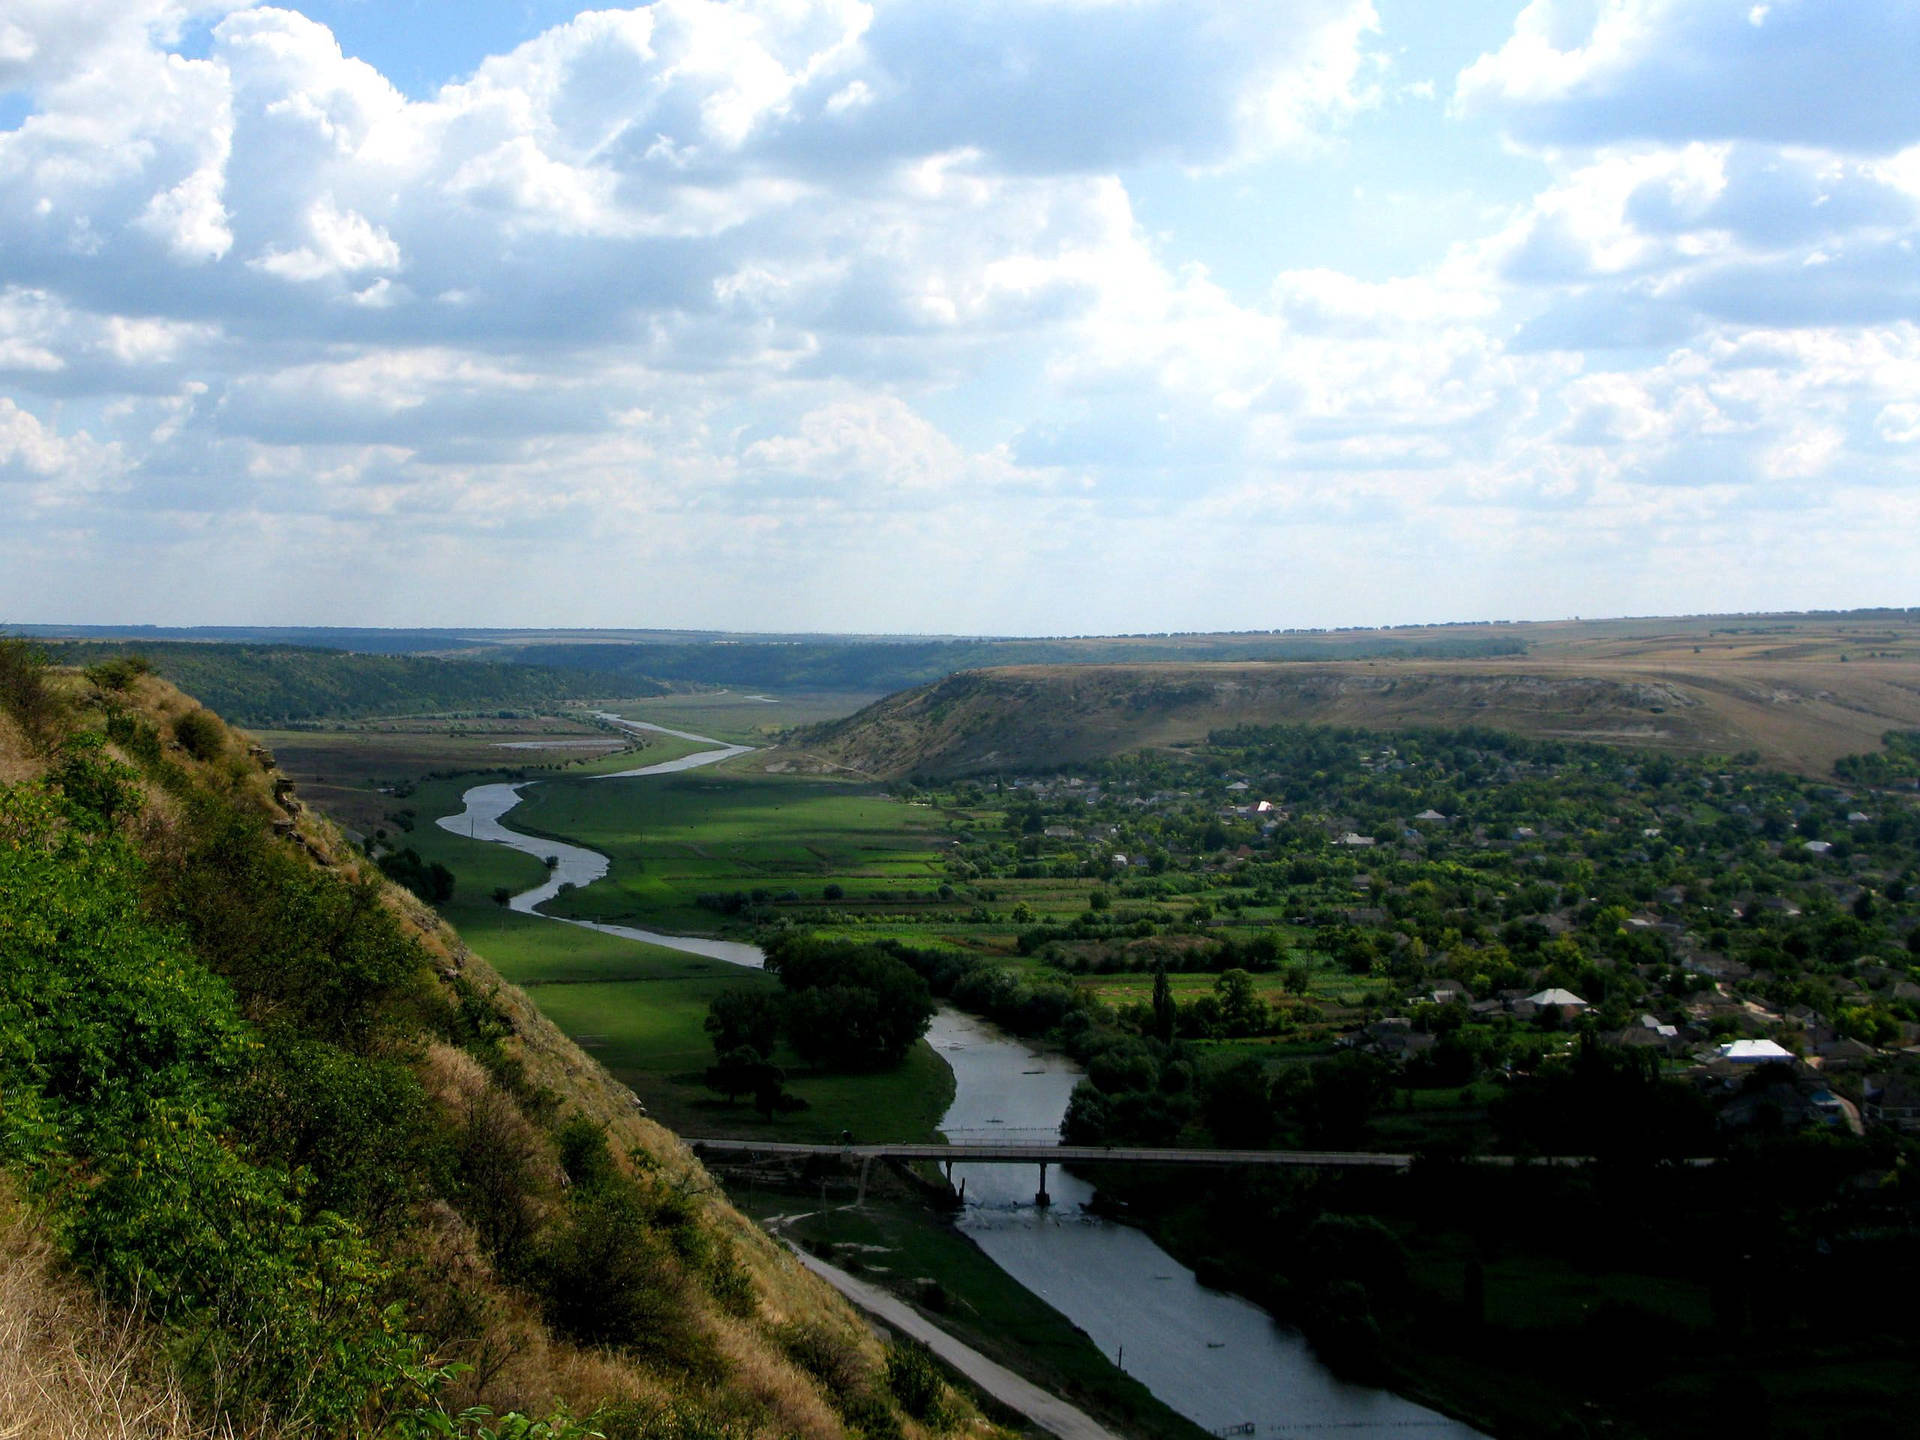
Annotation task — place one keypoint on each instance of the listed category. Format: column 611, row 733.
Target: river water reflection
column 1217, row 1359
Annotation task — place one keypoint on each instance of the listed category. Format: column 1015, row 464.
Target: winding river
column 1217, row 1359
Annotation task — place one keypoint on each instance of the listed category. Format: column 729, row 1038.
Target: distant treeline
column 273, row 684
column 895, row 665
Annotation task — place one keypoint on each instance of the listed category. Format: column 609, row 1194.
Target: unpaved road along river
column 1217, row 1359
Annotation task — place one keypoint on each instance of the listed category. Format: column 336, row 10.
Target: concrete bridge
column 970, row 1153
column 949, row 1156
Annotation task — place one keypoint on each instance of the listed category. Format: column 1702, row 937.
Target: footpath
column 1049, row 1412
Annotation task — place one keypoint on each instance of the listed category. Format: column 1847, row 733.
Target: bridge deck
column 1061, row 1154
column 977, row 1154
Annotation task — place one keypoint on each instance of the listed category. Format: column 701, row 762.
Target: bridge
column 1043, row 1156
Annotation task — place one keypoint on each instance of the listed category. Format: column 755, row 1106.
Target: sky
column 956, row 316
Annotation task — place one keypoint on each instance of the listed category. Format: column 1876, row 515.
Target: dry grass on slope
column 69, row 1365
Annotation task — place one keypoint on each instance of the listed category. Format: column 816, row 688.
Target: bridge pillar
column 1043, row 1199
column 865, row 1165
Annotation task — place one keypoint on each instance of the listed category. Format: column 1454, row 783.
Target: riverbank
column 1212, row 1358
column 921, row 1260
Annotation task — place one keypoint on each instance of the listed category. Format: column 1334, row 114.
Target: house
column 1817, row 847
column 1755, row 1052
column 1893, row 1100
column 1844, row 1053
column 1565, row 1000
column 1431, row 816
column 1355, row 841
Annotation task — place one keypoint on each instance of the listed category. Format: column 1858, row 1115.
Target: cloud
column 1797, row 72
column 851, row 304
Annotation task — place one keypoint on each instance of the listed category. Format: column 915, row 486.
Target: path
column 1047, row 1411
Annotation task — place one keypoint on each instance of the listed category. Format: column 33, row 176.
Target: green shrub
column 914, row 1379
column 277, row 1312
column 361, row 1127
column 610, row 1279
column 200, row 734
column 430, row 880
column 98, row 788
column 25, row 692
column 295, row 942
column 119, row 672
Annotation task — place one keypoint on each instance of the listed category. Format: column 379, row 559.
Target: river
column 1217, row 1359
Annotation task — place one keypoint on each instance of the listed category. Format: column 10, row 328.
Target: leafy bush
column 296, row 943
column 118, row 673
column 914, row 1380
column 278, row 1309
column 431, row 881
column 200, row 735
column 25, row 692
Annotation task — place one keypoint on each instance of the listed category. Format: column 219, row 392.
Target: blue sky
column 1011, row 316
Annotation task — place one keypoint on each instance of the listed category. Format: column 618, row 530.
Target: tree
column 849, row 1006
column 1237, row 1105
column 1166, row 1013
column 737, row 1072
column 745, row 1018
column 1241, row 1010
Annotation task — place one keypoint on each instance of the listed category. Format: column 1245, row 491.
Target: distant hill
column 1800, row 716
column 894, row 664
column 267, row 685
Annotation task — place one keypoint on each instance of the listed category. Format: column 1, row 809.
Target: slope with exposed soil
column 1800, row 715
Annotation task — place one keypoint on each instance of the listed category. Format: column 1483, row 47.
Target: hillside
column 1798, row 714
column 279, row 1155
column 274, row 684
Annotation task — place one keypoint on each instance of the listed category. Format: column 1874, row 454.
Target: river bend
column 1217, row 1359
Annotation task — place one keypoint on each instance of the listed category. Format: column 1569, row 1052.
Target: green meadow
column 742, row 717
column 673, row 838
column 639, row 1008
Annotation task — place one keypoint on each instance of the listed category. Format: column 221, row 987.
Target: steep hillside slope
column 1797, row 715
column 273, row 684
column 329, row 1172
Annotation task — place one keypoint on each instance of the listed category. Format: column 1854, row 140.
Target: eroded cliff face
column 1798, row 716
column 423, row 1139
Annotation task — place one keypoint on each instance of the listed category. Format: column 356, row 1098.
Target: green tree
column 1242, row 1011
column 745, row 1018
column 1166, row 1013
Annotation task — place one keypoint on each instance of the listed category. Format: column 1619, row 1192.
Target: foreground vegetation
column 341, row 1180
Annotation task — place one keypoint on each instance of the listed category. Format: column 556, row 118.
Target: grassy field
column 639, row 1009
column 900, row 1246
column 741, row 716
column 673, row 838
